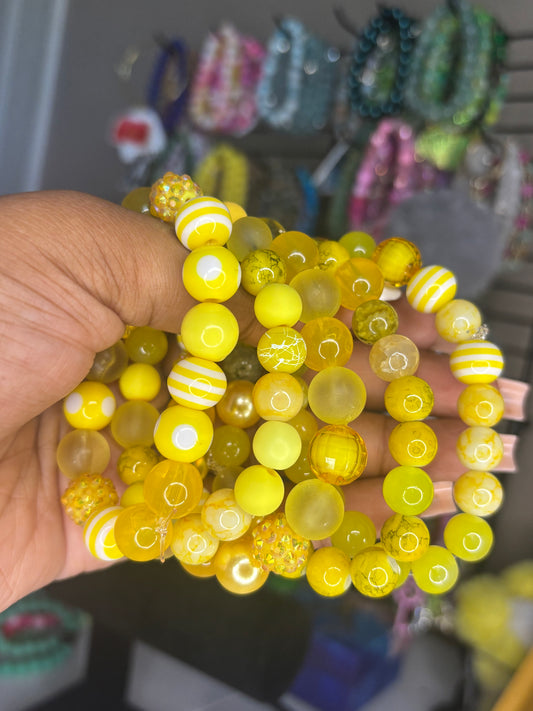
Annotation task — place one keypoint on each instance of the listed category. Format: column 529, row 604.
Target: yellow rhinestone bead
column 281, row 349
column 468, row 537
column 90, row 406
column 169, row 194
column 476, row 361
column 209, row 331
column 183, row 434
column 480, row 404
column 99, row 533
column 436, row 572
column 374, row 572
column 201, row 221
column 405, row 538
column 86, row 494
column 277, row 548
column 478, row 492
column 398, row 260
column 479, row 448
column 409, row 398
column 211, row 273
column 328, row 571
column 431, row 288
column 337, row 454
column 459, row 320
column 413, row 444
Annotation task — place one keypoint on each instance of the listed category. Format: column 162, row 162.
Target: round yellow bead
column 278, row 396
column 408, row 490
column 86, row 494
column 298, row 251
column 358, row 244
column 109, row 364
column 192, row 542
column 458, row 320
column 231, row 446
column 398, row 259
column 373, row 320
column 235, row 211
column 337, row 395
column 328, row 342
column 211, row 273
column 331, row 254
column 301, row 469
column 360, row 280
column 133, row 424
column 479, row 448
column 146, row 345
column 328, row 571
column 431, row 288
column 480, row 404
column 281, row 349
column 436, row 572
column 173, row 489
column 478, row 492
column 277, row 548
column 468, row 537
column 237, row 406
column 413, row 444
column 83, row 452
column 337, row 454
column 141, row 534
column 259, row 490
column 133, row 494
column 261, row 267
column 374, row 572
column 223, row 516
column 305, row 424
column 235, row 568
column 276, row 445
column 140, row 381
column 409, row 398
column 197, row 383
column 394, row 357
column 90, row 406
column 169, row 194
column 320, row 293
column 314, row 509
column 182, row 434
column 277, row 305
column 99, row 533
column 209, row 331
column 476, row 361
column 405, row 538
column 247, row 235
column 137, row 200
column 356, row 532
column 201, row 221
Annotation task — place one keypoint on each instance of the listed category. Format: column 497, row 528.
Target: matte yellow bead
column 478, row 492
column 413, row 444
column 209, row 331
column 405, row 538
column 409, row 398
column 90, row 406
column 319, row 291
column 277, row 305
column 133, row 424
column 140, row 381
column 328, row 571
column 276, row 445
column 374, row 572
column 259, row 490
column 431, row 288
column 476, row 361
column 247, row 235
column 182, row 434
column 398, row 260
column 480, row 404
column 83, row 452
column 480, row 448
column 337, row 395
column 197, row 383
column 436, row 572
column 314, row 509
column 337, row 454
column 468, row 537
column 281, row 349
column 211, row 273
column 203, row 220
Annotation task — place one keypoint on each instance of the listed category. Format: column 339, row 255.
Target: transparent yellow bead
column 356, row 532
column 480, row 448
column 209, row 331
column 337, row 395
column 337, row 454
column 360, row 280
column 173, row 489
column 231, row 445
column 133, row 424
column 277, row 547
column 99, row 533
column 137, row 200
column 277, row 305
column 408, row 490
column 301, row 469
column 90, row 406
column 281, row 349
column 436, row 572
column 182, row 434
column 82, row 452
column 203, row 220
column 225, row 478
column 247, row 235
column 478, row 492
column 328, row 342
column 278, row 396
column 373, row 320
column 374, row 572
column 211, row 273
column 140, row 381
column 413, row 444
column 109, row 364
column 146, row 345
column 298, row 251
column 358, row 244
column 135, row 462
column 197, row 383
column 192, row 542
column 405, row 538
column 468, row 537
column 458, row 320
column 476, row 361
column 235, row 568
column 398, row 260
column 235, row 211
column 201, row 570
column 314, row 509
column 409, row 398
column 431, row 288
column 133, row 494
column 394, row 357
column 319, row 291
column 262, row 267
column 480, row 404
column 305, row 424
column 276, row 445
column 141, row 534
column 259, row 490
column 331, row 254
column 328, row 571
column 223, row 516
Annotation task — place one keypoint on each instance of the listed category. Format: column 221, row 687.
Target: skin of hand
column 74, row 271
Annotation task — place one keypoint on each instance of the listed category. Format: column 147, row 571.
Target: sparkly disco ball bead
column 86, row 494
column 276, row 547
column 169, row 193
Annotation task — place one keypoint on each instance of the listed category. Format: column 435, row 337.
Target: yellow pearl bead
column 235, row 568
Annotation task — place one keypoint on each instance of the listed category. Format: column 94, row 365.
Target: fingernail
column 443, row 502
column 508, row 461
column 514, row 393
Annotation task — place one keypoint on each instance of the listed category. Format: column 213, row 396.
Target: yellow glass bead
column 141, row 534
column 135, row 462
column 409, row 398
column 305, row 424
column 90, row 406
column 314, row 509
column 405, row 538
column 479, row 448
column 259, row 490
column 277, row 548
column 301, row 469
column 476, row 361
column 431, row 288
column 337, row 454
column 398, row 259
column 277, row 305
column 173, row 489
column 408, row 490
column 236, row 570
column 201, row 221
column 138, row 200
column 394, row 357
column 298, row 251
column 478, row 492
column 169, row 194
column 247, row 235
column 202, row 570
column 436, row 572
column 109, row 364
column 480, row 404
column 225, row 478
column 277, row 396
column 237, row 406
column 223, row 516
column 337, row 395
column 231, row 445
column 197, row 383
column 146, row 345
column 133, row 494
column 320, row 293
column 356, row 532
column 458, row 320
column 182, row 434
column 331, row 254
column 360, row 280
column 192, row 542
column 358, row 244
column 374, row 572
column 86, row 494
column 413, row 444
column 133, row 424
column 211, row 273
column 242, row 363
column 281, row 349
column 276, row 445
column 328, row 342
column 82, row 452
column 328, row 571
column 99, row 534
column 209, row 331
column 468, row 537
column 373, row 320
column 140, row 381
column 262, row 267
column 235, row 211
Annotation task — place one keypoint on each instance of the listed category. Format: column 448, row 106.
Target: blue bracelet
column 173, row 57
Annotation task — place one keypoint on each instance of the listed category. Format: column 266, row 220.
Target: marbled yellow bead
column 328, row 342
column 478, row 492
column 431, row 288
column 374, row 572
column 409, row 398
column 223, row 516
column 398, row 260
column 476, row 361
column 458, row 320
column 192, row 542
column 479, row 448
column 436, row 571
column 468, row 537
column 413, row 444
column 201, row 221
column 331, row 254
column 328, row 571
column 261, row 267
column 405, row 538
column 480, row 404
column 197, row 383
column 99, row 536
column 278, row 396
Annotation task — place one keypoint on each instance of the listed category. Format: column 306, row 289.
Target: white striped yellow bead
column 431, row 288
column 197, row 383
column 203, row 220
column 476, row 362
column 99, row 535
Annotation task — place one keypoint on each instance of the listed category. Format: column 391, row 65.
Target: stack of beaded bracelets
column 265, row 513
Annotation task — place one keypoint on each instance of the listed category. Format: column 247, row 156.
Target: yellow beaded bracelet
column 242, row 476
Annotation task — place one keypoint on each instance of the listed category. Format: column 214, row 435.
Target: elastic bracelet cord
column 171, row 69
